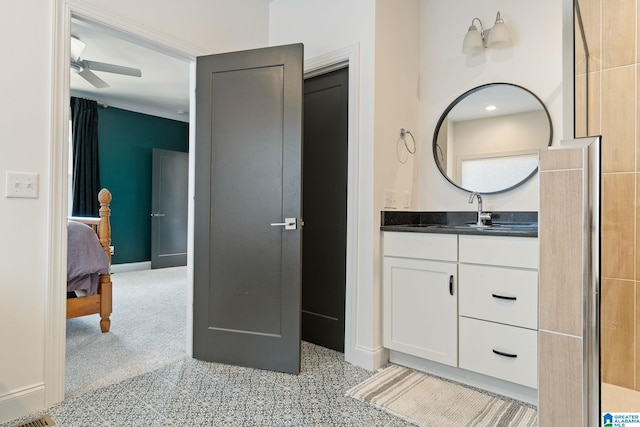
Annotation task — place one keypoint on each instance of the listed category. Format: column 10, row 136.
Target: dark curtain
column 86, row 171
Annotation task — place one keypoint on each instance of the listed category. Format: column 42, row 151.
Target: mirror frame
column 460, row 99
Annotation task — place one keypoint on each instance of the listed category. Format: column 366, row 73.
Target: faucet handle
column 485, row 217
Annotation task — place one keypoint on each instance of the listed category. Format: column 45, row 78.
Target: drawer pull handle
column 451, row 284
column 504, row 297
column 501, row 353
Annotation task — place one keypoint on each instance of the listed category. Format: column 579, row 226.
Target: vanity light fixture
column 476, row 41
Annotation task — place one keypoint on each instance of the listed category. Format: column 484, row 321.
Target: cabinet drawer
column 480, row 343
column 500, row 294
column 499, row 250
column 442, row 247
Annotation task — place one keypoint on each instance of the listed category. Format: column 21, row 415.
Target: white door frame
column 55, row 329
column 349, row 56
column 55, row 333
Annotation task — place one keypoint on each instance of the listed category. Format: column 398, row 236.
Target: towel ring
column 403, row 136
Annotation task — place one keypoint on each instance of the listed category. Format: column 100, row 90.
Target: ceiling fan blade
column 93, row 79
column 111, row 68
column 77, row 47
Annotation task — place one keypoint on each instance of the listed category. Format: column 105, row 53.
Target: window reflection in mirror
column 487, row 140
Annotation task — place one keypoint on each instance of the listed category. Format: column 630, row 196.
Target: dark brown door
column 247, row 272
column 324, row 250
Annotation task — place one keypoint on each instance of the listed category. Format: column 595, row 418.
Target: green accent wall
column 126, row 142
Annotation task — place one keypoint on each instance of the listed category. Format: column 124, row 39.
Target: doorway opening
column 325, row 171
column 150, row 317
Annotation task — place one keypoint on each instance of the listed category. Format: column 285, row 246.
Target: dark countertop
column 520, row 224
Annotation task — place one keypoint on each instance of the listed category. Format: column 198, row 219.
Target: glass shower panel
column 619, row 348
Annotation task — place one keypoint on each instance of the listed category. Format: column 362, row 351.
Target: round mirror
column 487, row 140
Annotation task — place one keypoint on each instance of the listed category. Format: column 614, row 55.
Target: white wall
column 534, row 62
column 213, row 25
column 396, row 106
column 324, row 26
column 25, row 145
column 397, row 95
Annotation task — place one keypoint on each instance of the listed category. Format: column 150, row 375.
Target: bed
column 88, row 264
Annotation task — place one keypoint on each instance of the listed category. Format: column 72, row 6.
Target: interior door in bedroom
column 247, row 243
column 170, row 182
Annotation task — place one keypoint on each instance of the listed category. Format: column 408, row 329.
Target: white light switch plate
column 390, row 199
column 405, row 200
column 21, row 185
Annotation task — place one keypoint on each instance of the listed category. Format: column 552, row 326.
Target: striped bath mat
column 432, row 402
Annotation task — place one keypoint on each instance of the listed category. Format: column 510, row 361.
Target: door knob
column 156, row 214
column 288, row 224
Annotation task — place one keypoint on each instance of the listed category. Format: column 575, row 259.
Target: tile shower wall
column 611, row 110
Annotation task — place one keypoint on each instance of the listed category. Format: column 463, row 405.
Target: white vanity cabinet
column 420, row 296
column 468, row 301
column 498, row 307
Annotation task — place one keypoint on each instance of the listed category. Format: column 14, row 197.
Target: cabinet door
column 420, row 309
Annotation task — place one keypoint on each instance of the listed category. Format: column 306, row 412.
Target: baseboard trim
column 22, row 402
column 369, row 359
column 473, row 379
column 131, row 266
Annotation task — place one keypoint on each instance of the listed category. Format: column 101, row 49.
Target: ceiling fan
column 84, row 68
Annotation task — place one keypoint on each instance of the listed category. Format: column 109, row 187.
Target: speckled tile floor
column 195, row 393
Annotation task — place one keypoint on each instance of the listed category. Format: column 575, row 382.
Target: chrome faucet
column 482, row 216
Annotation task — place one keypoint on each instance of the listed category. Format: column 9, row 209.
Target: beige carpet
column 148, row 330
column 428, row 401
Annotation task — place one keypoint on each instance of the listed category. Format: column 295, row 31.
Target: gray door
column 247, row 271
column 169, row 208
